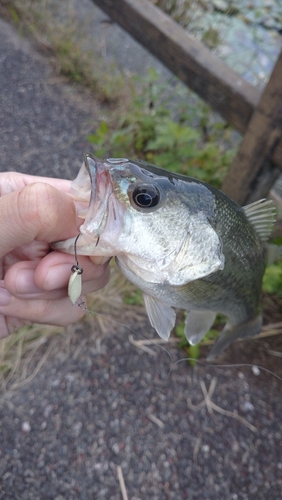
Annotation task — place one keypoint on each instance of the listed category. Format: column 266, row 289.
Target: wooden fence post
column 253, row 163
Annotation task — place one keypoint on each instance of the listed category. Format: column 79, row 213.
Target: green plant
column 133, row 296
column 272, row 280
column 190, row 15
column 165, row 124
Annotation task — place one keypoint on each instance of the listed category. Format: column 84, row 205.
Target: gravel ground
column 100, row 404
column 43, row 122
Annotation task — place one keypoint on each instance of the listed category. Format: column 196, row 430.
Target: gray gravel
column 44, row 124
column 98, row 404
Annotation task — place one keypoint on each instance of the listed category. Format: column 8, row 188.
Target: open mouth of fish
column 92, row 191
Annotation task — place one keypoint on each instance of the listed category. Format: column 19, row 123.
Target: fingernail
column 99, row 260
column 5, row 297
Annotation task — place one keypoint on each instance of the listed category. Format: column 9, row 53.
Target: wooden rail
column 234, row 98
column 259, row 145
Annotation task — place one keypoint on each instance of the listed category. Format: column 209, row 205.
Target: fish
column 183, row 242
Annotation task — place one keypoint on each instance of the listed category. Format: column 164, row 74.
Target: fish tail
column 233, row 332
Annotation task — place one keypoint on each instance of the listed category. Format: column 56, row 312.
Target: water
column 245, row 35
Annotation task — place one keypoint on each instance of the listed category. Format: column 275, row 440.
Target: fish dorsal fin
column 262, row 216
column 161, row 316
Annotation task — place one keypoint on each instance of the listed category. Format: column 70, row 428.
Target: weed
column 133, row 297
column 167, row 126
column 272, row 280
column 64, row 40
column 19, row 346
column 189, row 14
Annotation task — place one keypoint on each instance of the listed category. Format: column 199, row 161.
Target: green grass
column 272, row 280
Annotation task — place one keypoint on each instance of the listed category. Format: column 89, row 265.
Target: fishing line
column 74, row 292
column 231, row 365
column 76, row 268
column 82, row 304
column 75, row 251
column 174, row 363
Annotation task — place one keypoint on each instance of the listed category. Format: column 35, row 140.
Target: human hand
column 35, row 211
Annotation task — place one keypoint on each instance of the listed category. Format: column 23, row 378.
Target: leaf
column 272, row 280
column 103, row 127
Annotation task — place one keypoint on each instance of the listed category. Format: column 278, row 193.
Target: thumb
column 36, row 212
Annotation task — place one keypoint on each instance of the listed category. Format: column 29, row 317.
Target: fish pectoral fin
column 161, row 316
column 230, row 333
column 197, row 324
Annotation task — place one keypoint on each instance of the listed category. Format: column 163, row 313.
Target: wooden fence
column 257, row 116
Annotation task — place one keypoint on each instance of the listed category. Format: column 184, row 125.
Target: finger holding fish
column 27, row 303
column 49, row 278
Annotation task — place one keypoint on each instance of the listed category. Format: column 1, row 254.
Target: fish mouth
column 91, row 191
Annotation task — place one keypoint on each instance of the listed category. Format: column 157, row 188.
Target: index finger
column 36, row 212
column 12, row 181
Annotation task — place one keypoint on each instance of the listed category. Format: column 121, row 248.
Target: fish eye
column 146, row 196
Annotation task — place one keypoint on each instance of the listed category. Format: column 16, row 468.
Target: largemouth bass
column 184, row 243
